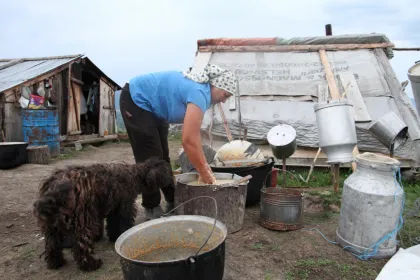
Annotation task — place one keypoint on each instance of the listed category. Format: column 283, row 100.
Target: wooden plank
column 92, row 140
column 354, row 95
column 323, row 93
column 76, row 101
column 57, row 87
column 409, row 114
column 73, row 117
column 329, row 75
column 12, row 123
column 106, row 117
column 290, row 48
column 304, row 156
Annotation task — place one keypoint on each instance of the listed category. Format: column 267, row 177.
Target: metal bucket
column 336, row 130
column 40, row 127
column 172, row 248
column 260, row 170
column 282, row 140
column 414, row 77
column 281, row 209
column 389, row 130
column 230, row 200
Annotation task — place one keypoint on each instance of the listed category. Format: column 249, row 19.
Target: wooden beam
column 10, row 63
column 290, row 48
column 329, row 75
column 93, row 140
column 77, row 81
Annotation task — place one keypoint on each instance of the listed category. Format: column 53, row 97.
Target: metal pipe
column 328, row 30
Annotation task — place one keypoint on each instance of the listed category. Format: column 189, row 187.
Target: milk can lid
column 281, row 135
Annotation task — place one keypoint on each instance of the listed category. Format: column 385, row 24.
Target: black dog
column 75, row 201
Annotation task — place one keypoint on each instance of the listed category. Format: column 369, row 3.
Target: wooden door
column 73, row 109
column 107, row 112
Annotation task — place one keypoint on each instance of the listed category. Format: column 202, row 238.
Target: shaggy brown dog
column 75, row 201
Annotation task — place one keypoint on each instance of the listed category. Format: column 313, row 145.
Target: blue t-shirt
column 166, row 94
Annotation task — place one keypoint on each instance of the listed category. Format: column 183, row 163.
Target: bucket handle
column 191, row 260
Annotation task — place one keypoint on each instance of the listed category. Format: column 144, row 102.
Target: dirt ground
column 252, row 253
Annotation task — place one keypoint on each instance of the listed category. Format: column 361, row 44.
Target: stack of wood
column 38, row 154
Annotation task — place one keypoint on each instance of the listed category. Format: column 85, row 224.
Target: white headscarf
column 216, row 76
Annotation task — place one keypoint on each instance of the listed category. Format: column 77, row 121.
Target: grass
column 319, row 178
column 309, row 268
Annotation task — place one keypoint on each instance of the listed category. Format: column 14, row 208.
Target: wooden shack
column 82, row 94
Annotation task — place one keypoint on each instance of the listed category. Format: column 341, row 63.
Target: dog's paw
column 55, row 263
column 91, row 265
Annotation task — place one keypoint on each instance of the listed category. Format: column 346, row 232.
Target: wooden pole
column 284, row 173
column 334, row 95
column 406, row 49
column 336, row 177
column 225, row 123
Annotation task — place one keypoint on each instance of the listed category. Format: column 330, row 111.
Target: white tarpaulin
column 405, row 264
column 283, row 87
column 296, row 74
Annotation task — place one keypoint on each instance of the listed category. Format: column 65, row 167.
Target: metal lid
column 414, row 73
column 332, row 103
column 281, row 135
column 377, row 161
column 414, row 70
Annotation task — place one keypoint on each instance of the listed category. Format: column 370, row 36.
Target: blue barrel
column 40, row 127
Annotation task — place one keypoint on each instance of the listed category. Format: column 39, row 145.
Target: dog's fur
column 74, row 202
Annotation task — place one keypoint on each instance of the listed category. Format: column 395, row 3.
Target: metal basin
column 12, row 154
column 162, row 249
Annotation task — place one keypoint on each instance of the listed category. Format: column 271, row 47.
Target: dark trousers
column 149, row 138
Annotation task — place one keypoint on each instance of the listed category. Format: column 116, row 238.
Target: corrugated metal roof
column 28, row 69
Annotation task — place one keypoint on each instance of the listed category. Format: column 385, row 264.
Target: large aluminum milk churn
column 371, row 207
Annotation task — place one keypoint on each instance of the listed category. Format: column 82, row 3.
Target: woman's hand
column 206, row 176
column 191, row 141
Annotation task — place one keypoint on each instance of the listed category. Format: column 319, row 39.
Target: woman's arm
column 191, row 141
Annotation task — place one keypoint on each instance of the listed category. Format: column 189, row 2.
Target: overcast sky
column 130, row 37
